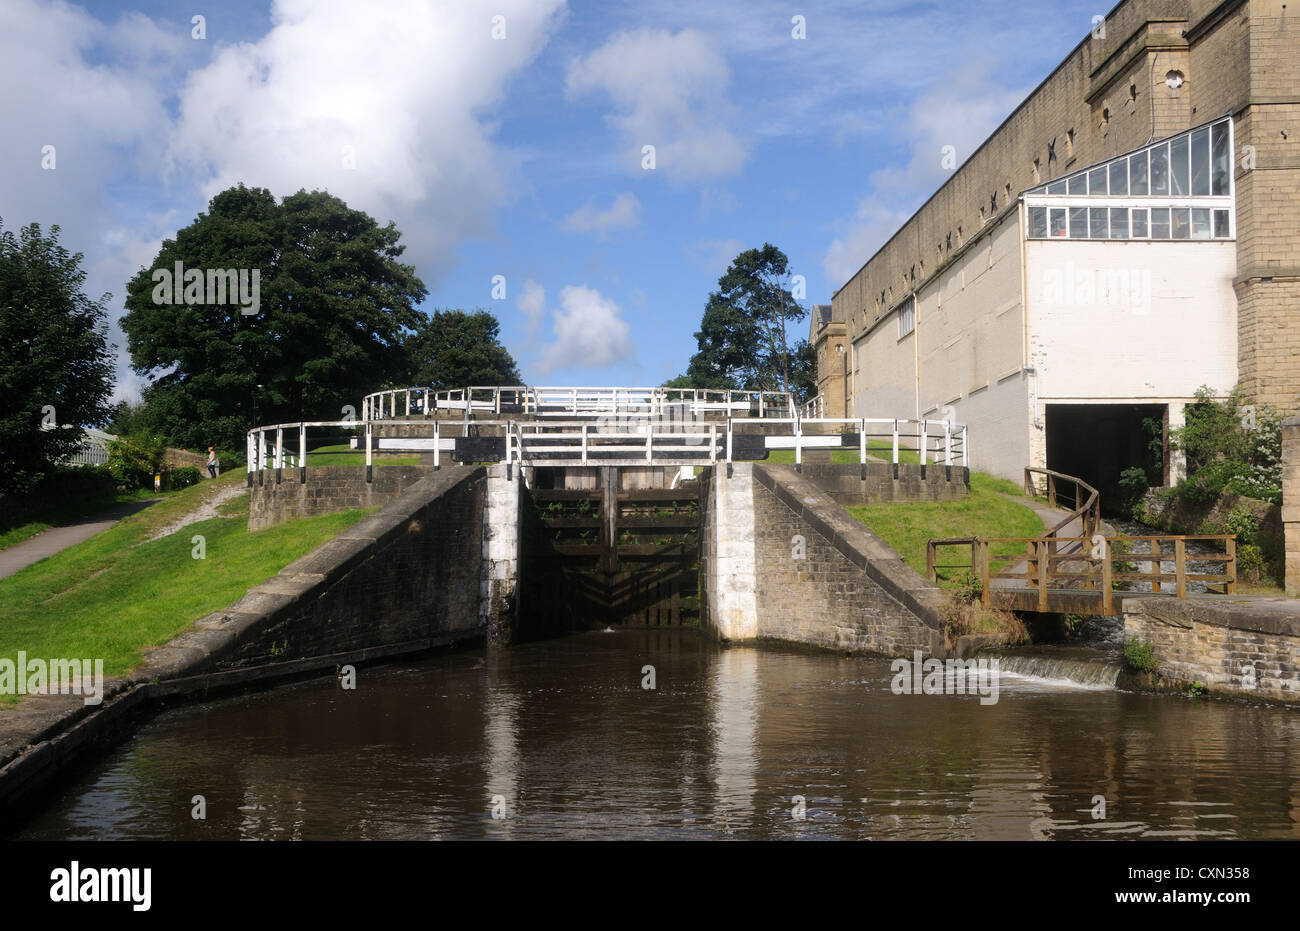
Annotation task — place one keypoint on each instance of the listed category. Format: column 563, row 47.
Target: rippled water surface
column 562, row 739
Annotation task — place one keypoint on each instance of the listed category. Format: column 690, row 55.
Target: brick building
column 1127, row 234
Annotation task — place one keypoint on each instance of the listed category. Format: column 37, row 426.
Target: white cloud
column 590, row 332
column 669, row 91
column 623, row 213
column 532, row 304
column 402, row 83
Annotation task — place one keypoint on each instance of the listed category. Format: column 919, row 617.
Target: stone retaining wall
column 1233, row 645
column 845, row 483
column 328, row 490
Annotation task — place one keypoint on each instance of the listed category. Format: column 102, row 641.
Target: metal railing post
column 369, row 462
column 302, row 454
column 713, row 444
column 798, row 445
column 895, row 448
column 584, row 441
column 279, row 454
column 437, row 445
column 250, row 456
column 261, row 457
column 862, row 448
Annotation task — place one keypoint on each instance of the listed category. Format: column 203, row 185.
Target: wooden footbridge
column 1073, row 567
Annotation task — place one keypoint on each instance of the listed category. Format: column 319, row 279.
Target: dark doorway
column 1097, row 442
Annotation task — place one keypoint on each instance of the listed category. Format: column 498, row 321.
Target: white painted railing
column 625, row 441
column 814, row 408
column 571, row 401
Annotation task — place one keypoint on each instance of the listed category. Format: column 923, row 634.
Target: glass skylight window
column 1178, row 188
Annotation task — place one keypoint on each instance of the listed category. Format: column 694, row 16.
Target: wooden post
column 1230, row 567
column 1180, row 567
column 1042, row 574
column 1105, row 577
column 1156, row 586
column 986, row 589
column 1051, row 490
column 929, row 561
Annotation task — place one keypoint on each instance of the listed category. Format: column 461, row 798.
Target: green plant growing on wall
column 1196, row 690
column 1139, row 656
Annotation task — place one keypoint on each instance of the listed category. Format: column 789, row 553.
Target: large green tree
column 455, row 349
column 743, row 340
column 56, row 364
column 334, row 305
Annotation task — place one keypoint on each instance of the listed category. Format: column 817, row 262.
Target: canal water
column 562, row 740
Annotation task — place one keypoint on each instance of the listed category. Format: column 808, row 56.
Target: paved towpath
column 48, row 542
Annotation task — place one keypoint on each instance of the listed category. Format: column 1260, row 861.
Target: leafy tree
column 334, row 305
column 455, row 349
column 56, row 364
column 743, row 340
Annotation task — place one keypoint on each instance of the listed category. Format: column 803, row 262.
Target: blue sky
column 519, row 156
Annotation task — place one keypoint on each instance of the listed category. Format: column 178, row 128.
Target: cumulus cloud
column 872, row 225
column 623, row 213
column 668, row 90
column 590, row 332
column 381, row 104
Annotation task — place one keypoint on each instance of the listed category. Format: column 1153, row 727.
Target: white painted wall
column 1148, row 322
column 731, row 587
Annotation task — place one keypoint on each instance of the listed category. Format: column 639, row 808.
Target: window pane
column 1078, row 222
column 1221, row 229
column 1137, row 174
column 1159, row 222
column 1119, row 177
column 1056, row 187
column 1200, row 222
column 1201, row 162
column 1038, row 222
column 1180, row 223
column 1221, row 159
column 1079, row 184
column 1058, row 221
column 1140, row 222
column 1097, row 181
column 1098, row 227
column 1160, row 170
column 1119, row 223
column 1178, row 180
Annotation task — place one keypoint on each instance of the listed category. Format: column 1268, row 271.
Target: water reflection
column 566, row 736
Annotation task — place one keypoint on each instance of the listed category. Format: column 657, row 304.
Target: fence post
column 249, row 456
column 279, row 454
column 1051, row 490
column 1156, row 586
column 1106, row 570
column 1180, row 567
column 713, row 444
column 798, row 445
column 930, row 572
column 584, row 441
column 437, row 446
column 1230, row 567
column 862, row 448
column 649, row 442
column 261, row 457
column 302, row 454
column 729, row 446
column 369, row 462
column 1041, row 545
column 986, row 593
column 1029, row 482
column 922, row 438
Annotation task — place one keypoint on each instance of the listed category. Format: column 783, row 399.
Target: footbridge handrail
column 561, row 400
column 623, row 441
column 1088, row 512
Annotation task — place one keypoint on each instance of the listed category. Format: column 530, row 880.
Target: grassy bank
column 881, row 450
column 984, row 513
column 70, row 512
column 115, row 594
column 343, row 454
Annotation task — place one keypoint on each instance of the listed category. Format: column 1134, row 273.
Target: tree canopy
column 743, row 340
column 335, row 304
column 456, row 349
column 56, row 364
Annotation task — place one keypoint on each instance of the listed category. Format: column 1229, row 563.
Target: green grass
column 343, row 454
column 113, row 595
column 984, row 513
column 71, row 512
column 843, row 455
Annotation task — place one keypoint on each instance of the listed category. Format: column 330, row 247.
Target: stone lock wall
column 1244, row 647
column 406, row 574
column 781, row 560
column 328, row 489
column 845, row 484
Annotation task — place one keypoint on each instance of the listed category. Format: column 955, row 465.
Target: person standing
column 213, row 462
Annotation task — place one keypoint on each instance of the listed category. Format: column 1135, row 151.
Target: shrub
column 1229, row 448
column 182, row 477
column 1139, row 655
column 1251, row 564
column 135, row 459
column 962, row 617
column 1243, row 523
